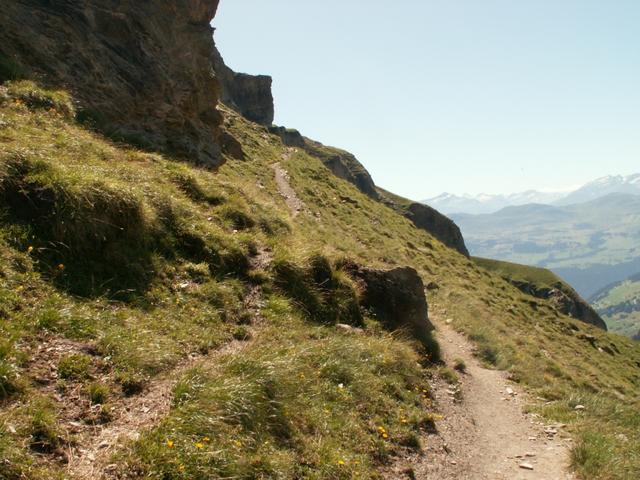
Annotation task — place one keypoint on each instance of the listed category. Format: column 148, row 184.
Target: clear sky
column 463, row 96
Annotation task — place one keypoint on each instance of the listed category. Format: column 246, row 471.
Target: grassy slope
column 615, row 298
column 538, row 276
column 302, row 400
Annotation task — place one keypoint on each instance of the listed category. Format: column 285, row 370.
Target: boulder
column 396, row 297
column 141, row 71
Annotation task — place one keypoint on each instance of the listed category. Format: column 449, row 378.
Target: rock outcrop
column 564, row 299
column 249, row 95
column 428, row 219
column 396, row 297
column 289, row 136
column 141, row 70
column 343, row 165
column 442, row 227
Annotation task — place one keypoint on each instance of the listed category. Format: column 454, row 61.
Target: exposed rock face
column 142, row 70
column 443, row 228
column 566, row 301
column 249, row 95
column 395, row 296
column 343, row 165
column 289, row 136
column 428, row 219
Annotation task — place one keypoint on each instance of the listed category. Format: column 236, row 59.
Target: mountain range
column 449, row 203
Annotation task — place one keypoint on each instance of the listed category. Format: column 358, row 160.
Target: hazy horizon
column 433, row 96
column 560, row 190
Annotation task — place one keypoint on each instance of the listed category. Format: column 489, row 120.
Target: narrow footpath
column 484, row 433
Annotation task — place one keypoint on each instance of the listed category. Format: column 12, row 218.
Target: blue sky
column 464, row 96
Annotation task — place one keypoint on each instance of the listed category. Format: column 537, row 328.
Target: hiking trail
column 485, row 433
column 284, row 186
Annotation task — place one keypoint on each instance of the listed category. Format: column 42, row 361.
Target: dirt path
column 485, row 433
column 284, row 187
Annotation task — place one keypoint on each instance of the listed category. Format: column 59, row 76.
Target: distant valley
column 590, row 237
column 619, row 305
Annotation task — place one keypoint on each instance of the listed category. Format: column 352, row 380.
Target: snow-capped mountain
column 603, row 186
column 449, row 203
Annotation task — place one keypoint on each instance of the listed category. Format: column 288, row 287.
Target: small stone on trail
column 510, row 391
column 349, row 329
column 453, row 462
column 526, row 466
column 579, row 407
column 448, row 321
column 529, row 454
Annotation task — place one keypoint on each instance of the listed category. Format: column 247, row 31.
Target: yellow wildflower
column 61, row 266
column 340, row 462
column 30, row 249
column 170, row 443
column 384, row 435
column 206, row 439
column 181, row 468
column 199, row 446
column 237, row 443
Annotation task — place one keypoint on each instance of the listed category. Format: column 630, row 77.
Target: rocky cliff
column 249, row 95
column 141, row 71
column 149, row 73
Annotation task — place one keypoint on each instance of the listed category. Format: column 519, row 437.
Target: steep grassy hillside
column 543, row 283
column 619, row 304
column 124, row 269
column 539, row 277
